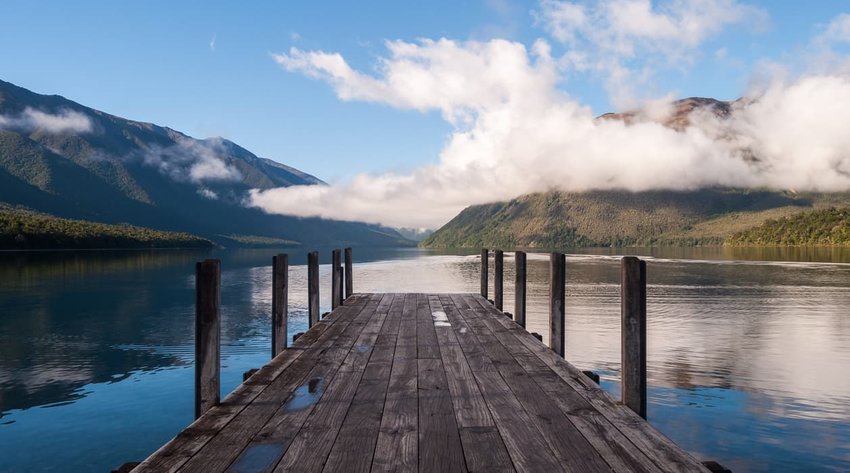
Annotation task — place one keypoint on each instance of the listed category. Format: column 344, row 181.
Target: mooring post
column 633, row 330
column 207, row 335
column 349, row 274
column 280, row 302
column 557, row 301
column 519, row 298
column 485, row 261
column 336, row 288
column 313, row 288
column 341, row 284
column 498, row 280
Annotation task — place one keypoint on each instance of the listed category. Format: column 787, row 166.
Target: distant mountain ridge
column 72, row 161
column 712, row 216
column 678, row 116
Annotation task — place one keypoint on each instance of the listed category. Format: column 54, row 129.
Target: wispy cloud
column 515, row 131
column 628, row 41
column 32, row 120
column 212, row 43
column 837, row 31
column 192, row 161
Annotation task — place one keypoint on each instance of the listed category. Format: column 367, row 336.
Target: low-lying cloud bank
column 515, row 131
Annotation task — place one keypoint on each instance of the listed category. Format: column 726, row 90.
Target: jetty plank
column 174, row 454
column 398, row 437
column 614, row 447
column 662, row 451
column 419, row 382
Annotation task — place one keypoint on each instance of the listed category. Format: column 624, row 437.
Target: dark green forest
column 819, row 227
column 24, row 230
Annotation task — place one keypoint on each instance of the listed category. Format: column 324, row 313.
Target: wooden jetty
column 421, row 382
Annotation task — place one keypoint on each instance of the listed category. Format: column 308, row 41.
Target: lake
column 748, row 349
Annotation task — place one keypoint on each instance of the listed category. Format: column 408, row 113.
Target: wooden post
column 498, row 279
column 557, row 300
column 313, row 288
column 280, row 302
column 336, row 287
column 519, row 299
column 349, row 274
column 341, row 285
column 633, row 330
column 485, row 261
column 207, row 335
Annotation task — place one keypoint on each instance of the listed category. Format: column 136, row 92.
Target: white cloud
column 456, row 79
column 32, row 120
column 209, row 194
column 193, row 161
column 629, row 27
column 515, row 132
column 628, row 41
column 212, row 43
column 837, row 31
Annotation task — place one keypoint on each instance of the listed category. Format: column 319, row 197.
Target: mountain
column 620, row 218
column 68, row 160
column 679, row 113
column 415, row 234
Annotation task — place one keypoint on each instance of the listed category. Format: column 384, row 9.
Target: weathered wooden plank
column 385, row 344
column 207, row 335
column 397, row 448
column 524, row 443
column 570, row 447
column 612, row 445
column 280, row 303
column 309, row 449
column 557, row 299
column 284, row 395
column 662, row 451
column 187, row 443
column 354, row 447
column 440, row 448
column 267, row 447
column 520, row 288
column 633, row 334
column 470, row 408
column 312, row 288
column 287, row 422
column 483, row 448
column 406, row 344
column 363, row 346
column 426, row 336
column 327, row 407
column 499, row 279
column 349, row 274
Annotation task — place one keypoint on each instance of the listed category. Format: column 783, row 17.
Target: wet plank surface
column 419, row 382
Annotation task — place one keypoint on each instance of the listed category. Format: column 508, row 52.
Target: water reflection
column 747, row 359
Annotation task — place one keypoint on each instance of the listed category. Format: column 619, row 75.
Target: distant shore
column 22, row 230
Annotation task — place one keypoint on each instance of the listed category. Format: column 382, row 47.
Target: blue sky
column 229, row 69
column 152, row 61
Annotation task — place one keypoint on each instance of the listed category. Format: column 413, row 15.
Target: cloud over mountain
column 31, row 120
column 515, row 130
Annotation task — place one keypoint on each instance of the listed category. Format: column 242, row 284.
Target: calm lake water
column 748, row 360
